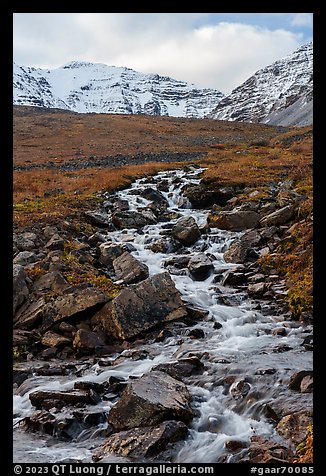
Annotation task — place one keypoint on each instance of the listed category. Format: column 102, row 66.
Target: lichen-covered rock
column 88, row 340
column 129, row 269
column 52, row 339
column 142, row 442
column 149, row 400
column 295, row 427
column 235, row 220
column 20, row 289
column 140, row 307
column 279, row 217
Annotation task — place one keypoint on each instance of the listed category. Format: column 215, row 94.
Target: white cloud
column 302, row 19
column 220, row 56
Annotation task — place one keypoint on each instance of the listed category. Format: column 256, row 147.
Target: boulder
column 25, row 257
column 264, row 450
column 181, row 368
column 200, row 267
column 239, row 251
column 140, row 307
column 87, row 340
column 109, row 252
column 47, row 399
column 186, row 231
column 52, row 339
column 53, row 281
column 233, row 277
column 25, row 241
column 279, row 217
column 297, row 377
column 154, row 196
column 236, row 220
column 29, row 316
column 78, row 300
column 20, row 289
column 129, row 269
column 201, row 197
column 143, row 442
column 133, row 219
column 102, row 219
column 149, row 400
column 256, row 290
column 295, row 427
column 55, row 243
column 307, row 384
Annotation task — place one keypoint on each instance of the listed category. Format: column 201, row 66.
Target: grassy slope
column 250, row 154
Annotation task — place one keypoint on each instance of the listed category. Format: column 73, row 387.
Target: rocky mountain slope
column 280, row 93
column 87, row 87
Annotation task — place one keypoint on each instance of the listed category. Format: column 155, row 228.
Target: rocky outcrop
column 143, row 442
column 140, row 307
column 149, row 400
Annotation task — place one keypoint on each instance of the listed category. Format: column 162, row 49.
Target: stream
column 244, row 375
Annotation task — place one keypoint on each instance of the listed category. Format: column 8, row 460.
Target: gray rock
column 25, row 257
column 140, row 307
column 239, row 251
column 233, row 277
column 20, row 289
column 142, row 442
column 257, row 289
column 25, row 241
column 181, row 368
column 200, row 267
column 52, row 339
column 55, row 243
column 129, row 269
column 235, row 220
column 154, row 196
column 186, row 231
column 133, row 219
column 279, row 217
column 102, row 219
column 47, row 399
column 109, row 252
column 149, row 400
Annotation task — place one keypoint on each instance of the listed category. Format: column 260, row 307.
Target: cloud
column 185, row 46
column 302, row 19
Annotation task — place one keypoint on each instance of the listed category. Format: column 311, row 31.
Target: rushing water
column 241, row 348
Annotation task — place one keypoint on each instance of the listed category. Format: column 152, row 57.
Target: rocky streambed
column 190, row 356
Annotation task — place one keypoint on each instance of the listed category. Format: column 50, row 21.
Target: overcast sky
column 216, row 50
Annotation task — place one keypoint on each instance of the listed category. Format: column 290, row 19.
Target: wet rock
column 55, row 243
column 262, row 450
column 78, row 300
column 88, row 341
column 41, row 421
column 143, row 442
column 295, row 427
column 31, row 315
column 149, row 400
column 265, row 371
column 217, row 325
column 308, row 342
column 279, row 331
column 19, row 375
column 154, row 196
column 49, row 353
column 178, row 262
column 102, row 219
column 196, row 314
column 51, row 339
column 233, row 277
column 129, row 269
column 20, row 289
column 109, row 252
column 307, row 384
column 53, row 281
column 239, row 389
column 297, row 377
column 161, row 245
column 279, row 217
column 236, row 220
column 239, row 251
column 235, row 445
column 196, row 333
column 119, row 205
column 200, row 267
column 163, row 334
column 141, row 306
column 25, row 257
column 186, row 231
column 133, row 219
column 181, row 368
column 47, row 399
